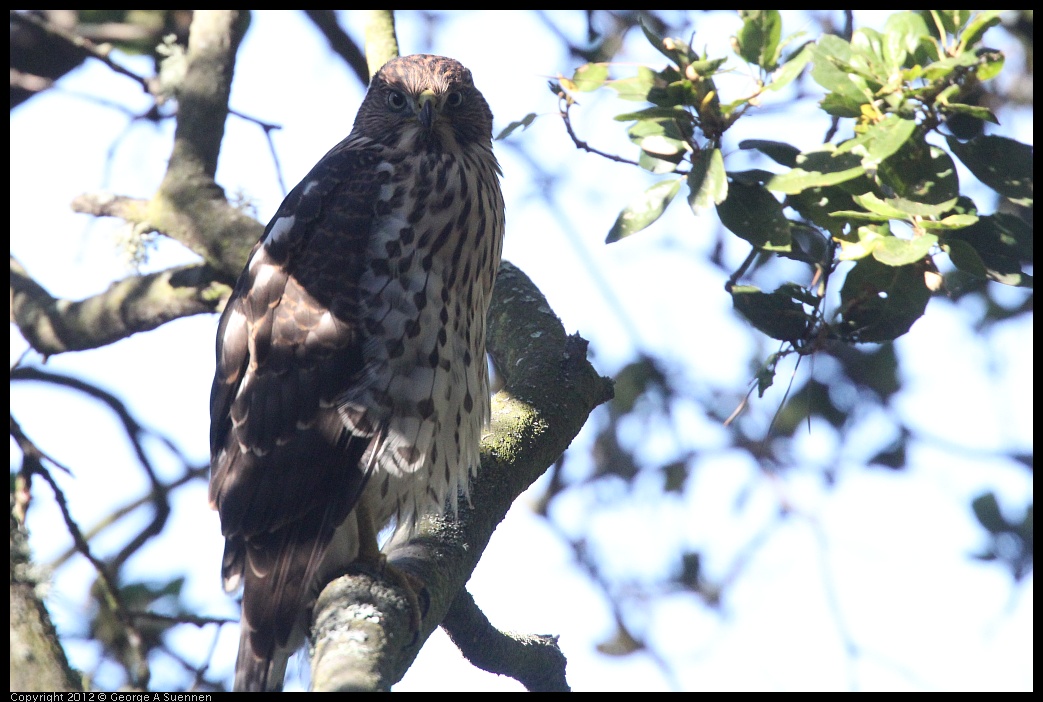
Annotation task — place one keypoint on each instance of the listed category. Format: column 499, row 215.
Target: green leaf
column 974, row 30
column 880, row 302
column 1003, row 164
column 842, row 106
column 707, row 181
column 893, row 251
column 831, row 68
column 987, row 509
column 662, row 147
column 902, row 34
column 869, row 237
column 758, row 40
column 656, row 114
column 816, row 204
column 753, row 214
column 661, row 138
column 860, row 216
column 943, row 67
column 867, row 58
column 1001, row 242
column 817, row 169
column 950, row 223
column 900, row 208
column 807, row 245
column 921, row 172
column 964, row 257
column 590, row 76
column 674, row 49
column 778, row 151
column 990, row 63
column 524, row 123
column 776, row 314
column 652, row 164
column 880, row 141
column 635, row 88
column 788, row 71
column 877, row 206
column 644, row 210
column 982, row 113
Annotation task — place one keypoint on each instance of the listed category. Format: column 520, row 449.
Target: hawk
column 351, row 387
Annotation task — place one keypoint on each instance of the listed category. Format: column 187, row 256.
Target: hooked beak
column 426, row 108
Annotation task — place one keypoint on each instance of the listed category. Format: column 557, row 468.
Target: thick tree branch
column 342, row 44
column 535, row 661
column 190, row 206
column 362, row 632
column 38, row 663
column 139, row 303
column 381, row 44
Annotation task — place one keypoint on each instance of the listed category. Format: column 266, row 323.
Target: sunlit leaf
column 523, row 123
column 590, row 76
column 894, row 251
column 635, row 88
column 788, row 71
column 758, row 39
column 950, row 223
column 644, row 210
column 902, row 34
column 974, row 30
column 707, row 181
column 880, row 141
column 655, row 113
column 817, row 169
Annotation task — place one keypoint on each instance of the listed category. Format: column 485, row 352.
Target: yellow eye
column 396, row 101
column 454, row 99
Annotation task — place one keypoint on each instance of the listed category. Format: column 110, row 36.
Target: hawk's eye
column 454, row 99
column 396, row 101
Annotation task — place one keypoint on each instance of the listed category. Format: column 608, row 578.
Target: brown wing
column 285, row 471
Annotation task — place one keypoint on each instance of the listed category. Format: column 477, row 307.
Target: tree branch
column 38, row 663
column 340, row 42
column 381, row 44
column 362, row 631
column 139, row 303
column 190, row 206
column 535, row 661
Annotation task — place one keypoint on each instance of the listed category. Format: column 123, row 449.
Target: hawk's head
column 424, row 102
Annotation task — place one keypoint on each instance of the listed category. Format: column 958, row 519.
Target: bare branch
column 343, row 45
column 535, row 661
column 580, row 144
column 139, row 303
column 190, row 206
column 88, row 48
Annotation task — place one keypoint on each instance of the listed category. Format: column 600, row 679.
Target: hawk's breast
column 429, row 269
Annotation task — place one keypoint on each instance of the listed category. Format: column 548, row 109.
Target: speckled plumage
column 351, row 385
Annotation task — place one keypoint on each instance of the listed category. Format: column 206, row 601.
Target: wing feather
column 285, row 470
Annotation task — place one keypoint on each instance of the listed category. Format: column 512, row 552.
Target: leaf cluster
column 877, row 206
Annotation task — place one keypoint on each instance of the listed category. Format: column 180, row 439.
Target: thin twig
column 580, row 144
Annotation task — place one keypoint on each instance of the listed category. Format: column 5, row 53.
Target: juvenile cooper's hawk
column 351, row 386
